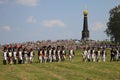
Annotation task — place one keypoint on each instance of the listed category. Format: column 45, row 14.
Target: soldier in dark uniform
column 20, row 56
column 45, row 54
column 10, row 56
column 31, row 55
column 14, row 55
column 54, row 54
column 112, row 55
column 5, row 56
column 50, row 58
column 25, row 56
column 104, row 54
column 58, row 54
column 63, row 53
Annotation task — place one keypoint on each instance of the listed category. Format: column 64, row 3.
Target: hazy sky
column 31, row 20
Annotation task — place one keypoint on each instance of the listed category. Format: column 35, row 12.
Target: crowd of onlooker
column 76, row 44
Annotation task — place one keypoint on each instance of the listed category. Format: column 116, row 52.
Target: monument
column 85, row 31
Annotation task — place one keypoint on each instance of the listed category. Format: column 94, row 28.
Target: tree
column 113, row 26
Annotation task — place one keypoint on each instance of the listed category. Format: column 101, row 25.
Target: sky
column 32, row 20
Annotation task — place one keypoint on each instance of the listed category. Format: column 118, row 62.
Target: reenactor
column 98, row 55
column 71, row 54
column 5, row 56
column 31, row 55
column 54, row 54
column 14, row 55
column 104, row 54
column 88, row 54
column 25, row 56
column 40, row 56
column 50, row 54
column 93, row 54
column 84, row 55
column 20, row 56
column 112, row 55
column 63, row 53
column 45, row 54
column 58, row 54
column 10, row 56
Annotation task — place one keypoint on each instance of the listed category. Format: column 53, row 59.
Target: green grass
column 76, row 70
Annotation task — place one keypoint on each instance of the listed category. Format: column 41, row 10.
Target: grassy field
column 76, row 70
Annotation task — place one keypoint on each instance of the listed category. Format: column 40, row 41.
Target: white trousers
column 40, row 59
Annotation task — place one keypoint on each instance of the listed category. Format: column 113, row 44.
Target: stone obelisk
column 85, row 31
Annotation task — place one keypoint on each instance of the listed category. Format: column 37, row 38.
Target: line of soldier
column 100, row 54
column 52, row 54
column 20, row 55
column 45, row 54
column 94, row 54
column 115, row 54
